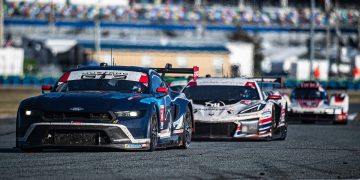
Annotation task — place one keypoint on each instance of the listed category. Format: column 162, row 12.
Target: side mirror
column 162, row 90
column 274, row 97
column 46, row 88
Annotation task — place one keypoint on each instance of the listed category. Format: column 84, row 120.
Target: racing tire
column 153, row 132
column 273, row 124
column 187, row 134
column 17, row 144
column 283, row 133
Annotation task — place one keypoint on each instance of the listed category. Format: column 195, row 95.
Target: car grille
column 78, row 116
column 70, row 138
column 214, row 130
column 310, row 116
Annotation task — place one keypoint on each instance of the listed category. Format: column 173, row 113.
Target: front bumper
column 317, row 114
column 308, row 116
column 250, row 129
column 67, row 135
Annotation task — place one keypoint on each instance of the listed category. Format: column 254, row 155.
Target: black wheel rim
column 187, row 129
column 154, row 131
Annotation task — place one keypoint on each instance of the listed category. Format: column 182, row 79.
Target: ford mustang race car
column 310, row 102
column 235, row 108
column 107, row 106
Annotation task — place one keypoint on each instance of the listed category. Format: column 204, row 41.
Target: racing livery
column 310, row 102
column 107, row 106
column 235, row 108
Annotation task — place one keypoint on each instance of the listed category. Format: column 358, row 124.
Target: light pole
column 1, row 23
column 97, row 31
column 328, row 16
column 312, row 38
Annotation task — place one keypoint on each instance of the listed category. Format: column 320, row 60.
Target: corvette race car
column 310, row 102
column 107, row 106
column 235, row 108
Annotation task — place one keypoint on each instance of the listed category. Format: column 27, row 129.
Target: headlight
column 28, row 112
column 255, row 108
column 130, row 114
column 333, row 111
column 329, row 111
column 338, row 111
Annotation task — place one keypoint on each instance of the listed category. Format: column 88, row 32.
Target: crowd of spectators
column 177, row 14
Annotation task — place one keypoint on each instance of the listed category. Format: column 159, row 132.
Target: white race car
column 235, row 108
column 310, row 102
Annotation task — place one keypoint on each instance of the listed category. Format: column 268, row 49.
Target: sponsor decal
column 214, row 104
column 133, row 146
column 266, row 114
column 246, row 102
column 250, row 84
column 76, row 109
column 105, row 74
column 162, row 116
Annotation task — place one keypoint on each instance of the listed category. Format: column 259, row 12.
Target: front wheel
column 187, row 125
column 153, row 132
column 283, row 133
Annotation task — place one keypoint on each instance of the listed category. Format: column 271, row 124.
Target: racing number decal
column 162, row 116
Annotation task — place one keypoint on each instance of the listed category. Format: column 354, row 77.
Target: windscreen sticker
column 105, row 74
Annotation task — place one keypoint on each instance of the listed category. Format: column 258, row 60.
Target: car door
column 165, row 103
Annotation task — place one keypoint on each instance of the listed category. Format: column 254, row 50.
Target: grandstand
column 266, row 13
column 181, row 26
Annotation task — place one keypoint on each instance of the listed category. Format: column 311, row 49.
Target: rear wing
column 269, row 80
column 169, row 70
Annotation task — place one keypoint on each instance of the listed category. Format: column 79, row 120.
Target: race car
column 235, row 108
column 120, row 107
column 310, row 102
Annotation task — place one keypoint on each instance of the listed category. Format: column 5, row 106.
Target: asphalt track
column 310, row 151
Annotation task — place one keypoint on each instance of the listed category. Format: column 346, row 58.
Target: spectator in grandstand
column 181, row 14
column 8, row 41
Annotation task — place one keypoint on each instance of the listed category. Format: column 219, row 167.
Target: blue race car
column 107, row 106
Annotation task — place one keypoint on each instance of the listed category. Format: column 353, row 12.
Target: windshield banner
column 105, row 74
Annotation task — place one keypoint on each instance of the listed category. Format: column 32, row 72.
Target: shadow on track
column 227, row 140
column 76, row 150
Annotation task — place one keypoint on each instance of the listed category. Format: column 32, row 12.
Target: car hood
column 86, row 101
column 211, row 111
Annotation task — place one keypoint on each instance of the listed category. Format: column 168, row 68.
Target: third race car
column 310, row 102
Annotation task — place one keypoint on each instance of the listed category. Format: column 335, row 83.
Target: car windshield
column 123, row 86
column 227, row 94
column 120, row 81
column 308, row 93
